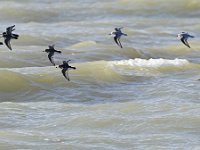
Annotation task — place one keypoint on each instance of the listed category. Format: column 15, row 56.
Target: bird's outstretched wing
column 116, row 40
column 7, row 42
column 120, row 43
column 15, row 36
column 65, row 73
column 68, row 61
column 58, row 51
column 50, row 58
column 10, row 29
column 51, row 46
column 184, row 41
column 118, row 29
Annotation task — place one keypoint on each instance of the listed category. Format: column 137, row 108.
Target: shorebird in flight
column 65, row 67
column 117, row 35
column 183, row 36
column 51, row 52
column 8, row 35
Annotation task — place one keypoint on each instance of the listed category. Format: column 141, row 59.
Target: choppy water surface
column 144, row 96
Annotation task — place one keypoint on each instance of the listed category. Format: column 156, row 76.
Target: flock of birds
column 8, row 36
column 183, row 36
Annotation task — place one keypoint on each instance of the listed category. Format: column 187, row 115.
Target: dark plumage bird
column 51, row 52
column 117, row 35
column 183, row 36
column 8, row 35
column 65, row 67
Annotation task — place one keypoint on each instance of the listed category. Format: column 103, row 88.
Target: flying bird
column 65, row 67
column 8, row 35
column 183, row 36
column 117, row 35
column 51, row 52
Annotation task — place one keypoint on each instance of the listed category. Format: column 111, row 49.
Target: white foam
column 153, row 63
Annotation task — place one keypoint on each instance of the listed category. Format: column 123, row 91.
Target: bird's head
column 46, row 50
column 180, row 35
column 4, row 34
column 111, row 33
